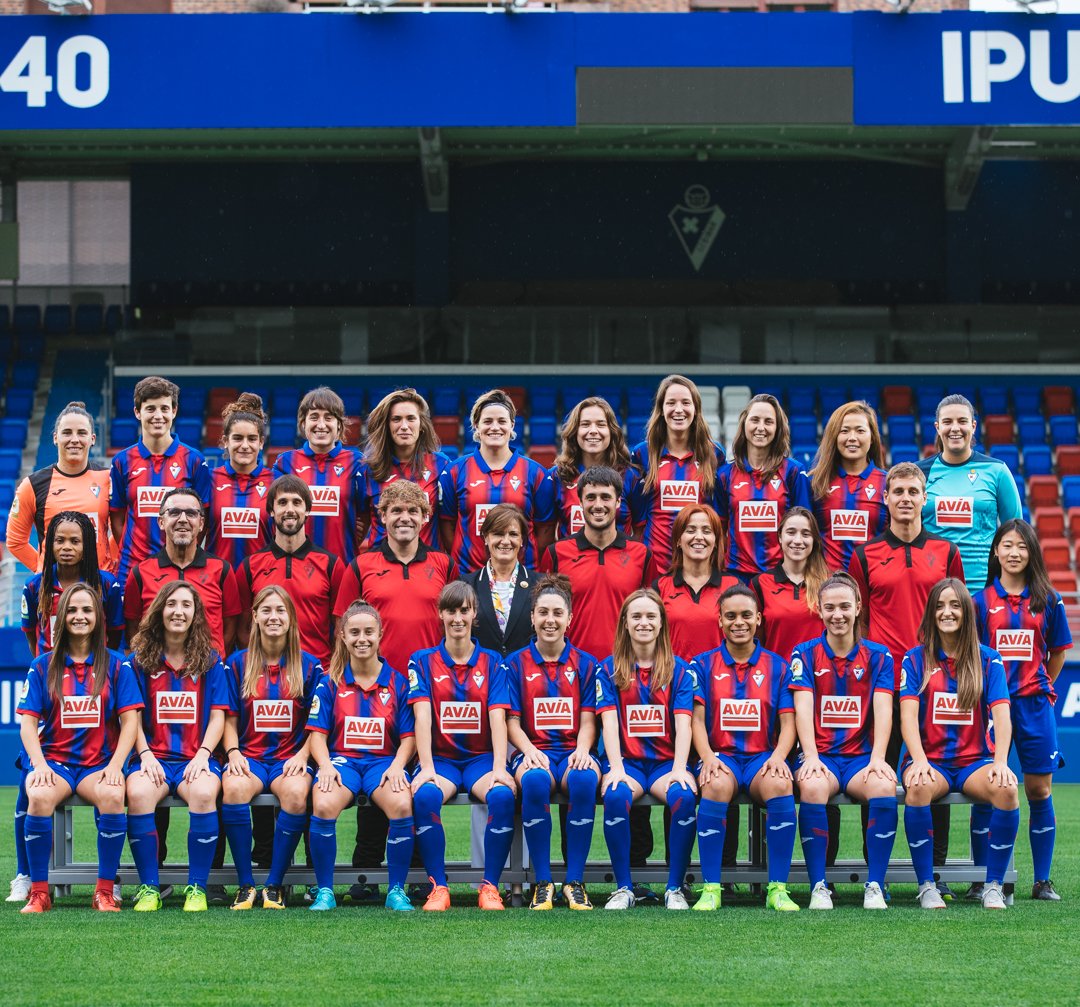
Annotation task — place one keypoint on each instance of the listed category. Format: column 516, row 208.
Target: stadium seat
column 543, row 454
column 902, row 429
column 31, row 347
column 1031, row 429
column 213, row 431
column 217, row 399
column 1042, row 491
column 517, row 396
column 1026, row 399
column 541, row 430
column 998, row 429
column 1009, row 454
column 283, row 431
column 114, row 319
column 896, row 400
column 354, row 426
column 5, row 319
column 1059, row 400
column 903, row 453
column 1049, row 522
column 1068, row 460
column 1072, row 518
column 710, row 399
column 452, row 451
column 571, row 395
column 1063, row 430
column 802, row 402
column 284, row 401
column 635, row 429
column 447, row 429
column 26, row 319
column 541, row 401
column 1070, row 492
column 994, row 400
column 24, row 374
column 7, row 494
column 804, row 453
column 804, row 429
column 19, row 403
column 1056, row 553
column 123, row 431
column 13, row 434
column 927, row 430
column 446, row 401
column 57, row 319
column 1037, row 461
column 189, row 430
column 10, row 463
column 613, row 395
column 927, row 397
column 1063, row 581
column 832, row 399
column 89, row 319
column 639, row 399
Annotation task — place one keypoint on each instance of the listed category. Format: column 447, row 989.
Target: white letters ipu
column 983, row 45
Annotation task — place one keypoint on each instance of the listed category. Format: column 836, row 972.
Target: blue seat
column 19, row 403
column 639, row 399
column 26, row 319
column 572, row 394
column 10, row 463
column 635, row 429
column 124, row 431
column 89, row 319
column 927, row 432
column 803, row 429
column 214, row 457
column 904, row 453
column 542, row 401
column 927, row 397
column 1062, row 430
column 994, row 400
column 284, row 402
column 7, row 494
column 867, row 393
column 1070, row 491
column 1030, row 429
column 24, row 374
column 802, row 402
column 804, row 453
column 446, row 401
column 1037, row 460
column 1027, row 399
column 12, row 434
column 57, row 319
column 1021, row 488
column 193, row 402
column 283, row 431
column 1009, row 454
column 832, row 399
column 902, row 429
column 519, row 429
column 189, row 430
column 452, row 451
column 542, row 430
column 114, row 319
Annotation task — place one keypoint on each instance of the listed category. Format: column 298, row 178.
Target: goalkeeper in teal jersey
column 968, row 494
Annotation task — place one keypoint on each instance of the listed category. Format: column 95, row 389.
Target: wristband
column 142, row 753
column 203, row 748
column 229, row 751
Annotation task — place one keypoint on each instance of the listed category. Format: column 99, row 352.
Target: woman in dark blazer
column 503, row 584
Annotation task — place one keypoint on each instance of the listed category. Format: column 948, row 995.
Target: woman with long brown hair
column 78, row 723
column 952, row 691
column 185, row 690
column 645, row 699
column 271, row 685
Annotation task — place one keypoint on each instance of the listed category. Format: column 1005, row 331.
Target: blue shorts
column 558, row 763
column 844, row 767
column 267, row 772
column 174, row 771
column 744, row 767
column 464, row 773
column 361, row 774
column 644, row 772
column 71, row 775
column 955, row 776
column 1035, row 734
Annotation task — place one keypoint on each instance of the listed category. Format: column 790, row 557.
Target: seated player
column 271, row 685
column 552, row 723
column 361, row 735
column 79, row 717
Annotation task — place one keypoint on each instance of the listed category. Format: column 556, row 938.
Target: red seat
column 544, row 454
column 271, row 455
column 447, row 428
column 219, row 398
column 517, row 396
column 1043, row 491
column 896, row 400
column 214, row 428
column 929, row 450
column 1063, row 581
column 1059, row 400
column 354, row 425
column 1072, row 519
column 1049, row 522
column 1057, row 553
column 998, row 430
column 1068, row 460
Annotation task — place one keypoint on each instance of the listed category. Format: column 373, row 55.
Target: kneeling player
column 842, row 688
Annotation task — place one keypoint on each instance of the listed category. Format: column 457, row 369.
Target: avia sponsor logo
column 740, row 714
column 675, row 494
column 272, row 716
column 553, row 713
column 364, row 732
column 459, row 718
column 239, row 522
column 1015, row 644
column 1070, row 705
column 850, row 525
column 997, row 57
column 148, row 500
column 947, row 711
column 840, row 712
column 758, row 515
column 646, row 721
column 577, row 519
column 479, row 515
column 325, row 501
column 954, row 512
column 80, row 712
column 177, row 708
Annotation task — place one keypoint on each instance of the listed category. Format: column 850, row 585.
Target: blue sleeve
column 799, row 494
column 979, row 600
column 685, row 686
column 911, row 674
column 360, row 489
column 448, row 504
column 997, row 685
column 1008, row 498
column 587, row 682
column 497, row 689
column 36, row 698
column 126, row 687
column 699, row 680
column 406, row 723
column 312, row 673
column 141, row 682
column 232, row 682
column 29, row 609
column 884, row 672
column 200, row 478
column 117, row 488
column 321, row 714
column 1058, row 634
column 418, row 680
column 797, row 676
column 606, row 697
column 217, row 687
column 784, row 699
column 511, row 674
column 544, row 495
column 722, row 497
column 114, row 602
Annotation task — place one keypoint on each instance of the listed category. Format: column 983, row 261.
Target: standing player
column 458, row 695
column 361, row 731
column 143, row 474
column 603, row 567
column 271, row 685
column 72, row 484
column 239, row 522
column 495, row 474
column 78, row 720
column 952, row 693
column 679, row 460
column 744, row 730
column 552, row 723
column 591, row 436
column 842, row 688
column 645, row 699
column 401, row 445
column 755, row 489
column 329, row 469
column 1022, row 617
column 847, row 481
column 184, row 687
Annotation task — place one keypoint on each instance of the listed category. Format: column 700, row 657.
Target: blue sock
column 430, row 835
column 112, row 833
column 202, row 842
column 21, row 804
column 323, row 843
column 712, row 831
column 919, row 826
column 287, row 833
column 1042, row 830
column 980, row 832
column 617, row 803
column 1003, row 827
column 39, row 835
column 143, row 840
column 814, row 833
column 880, row 836
column 536, row 820
column 499, row 834
column 683, row 805
column 581, row 786
column 237, row 821
column 399, row 847
column 780, row 836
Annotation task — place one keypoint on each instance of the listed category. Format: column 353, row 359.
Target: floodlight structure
column 69, row 6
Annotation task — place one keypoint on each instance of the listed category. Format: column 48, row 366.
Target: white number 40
column 26, row 72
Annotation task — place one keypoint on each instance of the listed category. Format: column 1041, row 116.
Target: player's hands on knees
column 296, row 766
column 238, row 765
column 579, row 759
column 422, row 777
column 43, row 777
column 534, row 759
column 879, row 767
column 112, row 776
column 196, row 767
column 685, row 778
column 397, row 779
column 1001, row 774
column 328, row 778
column 612, row 780
column 152, row 768
column 775, row 766
column 502, row 776
column 712, row 768
column 920, row 774
column 811, row 768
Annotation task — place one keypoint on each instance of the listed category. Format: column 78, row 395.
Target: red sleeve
column 230, row 596
column 857, row 569
column 243, row 585
column 649, row 575
column 755, row 584
column 956, row 564
column 348, row 589
column 549, row 561
column 337, row 574
column 133, row 600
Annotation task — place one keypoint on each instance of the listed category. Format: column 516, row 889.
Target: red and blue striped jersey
column 843, row 687
column 470, row 488
column 331, row 522
column 742, row 702
column 238, row 524
column 786, row 618
column 460, row 696
column 271, row 722
column 646, row 714
column 751, row 511
column 851, row 513
column 138, row 482
column 568, row 503
column 693, row 616
column 1025, row 641
column 360, row 721
column 76, row 728
column 177, row 707
column 426, row 475
column 677, row 484
column 111, row 599
column 548, row 696
column 952, row 736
